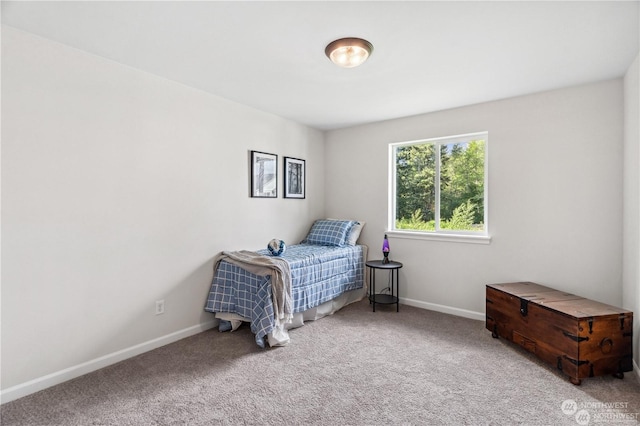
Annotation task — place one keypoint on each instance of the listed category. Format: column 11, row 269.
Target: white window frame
column 439, row 234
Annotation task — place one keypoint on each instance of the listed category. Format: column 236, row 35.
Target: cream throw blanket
column 261, row 265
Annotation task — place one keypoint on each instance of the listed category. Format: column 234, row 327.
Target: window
column 438, row 186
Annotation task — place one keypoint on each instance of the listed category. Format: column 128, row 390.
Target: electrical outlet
column 159, row 307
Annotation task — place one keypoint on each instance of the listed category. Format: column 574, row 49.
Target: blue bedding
column 318, row 274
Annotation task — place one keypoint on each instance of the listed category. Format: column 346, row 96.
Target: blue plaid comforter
column 318, row 274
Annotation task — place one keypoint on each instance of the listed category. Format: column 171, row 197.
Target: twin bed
column 315, row 278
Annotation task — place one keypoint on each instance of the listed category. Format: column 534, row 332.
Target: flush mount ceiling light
column 348, row 52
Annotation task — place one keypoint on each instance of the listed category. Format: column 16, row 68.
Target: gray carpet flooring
column 355, row 367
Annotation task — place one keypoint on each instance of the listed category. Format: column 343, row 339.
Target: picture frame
column 264, row 175
column 294, row 178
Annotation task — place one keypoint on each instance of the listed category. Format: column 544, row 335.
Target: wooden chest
column 580, row 337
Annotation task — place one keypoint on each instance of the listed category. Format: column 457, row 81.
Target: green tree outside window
column 445, row 175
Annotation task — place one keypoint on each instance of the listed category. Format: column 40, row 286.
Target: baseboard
column 444, row 309
column 61, row 376
column 636, row 370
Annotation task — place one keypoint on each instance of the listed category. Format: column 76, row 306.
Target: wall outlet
column 159, row 307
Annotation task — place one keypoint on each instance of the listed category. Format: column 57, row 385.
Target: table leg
column 370, row 272
column 372, row 287
column 397, row 290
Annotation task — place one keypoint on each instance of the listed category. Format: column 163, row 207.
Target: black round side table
column 386, row 299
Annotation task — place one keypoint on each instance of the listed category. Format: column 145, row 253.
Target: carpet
column 356, row 367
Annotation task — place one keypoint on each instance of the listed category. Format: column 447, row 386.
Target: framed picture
column 264, row 175
column 294, row 178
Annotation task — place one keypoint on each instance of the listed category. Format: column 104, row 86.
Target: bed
column 315, row 278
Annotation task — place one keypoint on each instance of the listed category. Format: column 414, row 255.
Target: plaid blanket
column 262, row 265
column 318, row 274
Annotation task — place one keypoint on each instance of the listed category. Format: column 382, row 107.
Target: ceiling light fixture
column 348, row 52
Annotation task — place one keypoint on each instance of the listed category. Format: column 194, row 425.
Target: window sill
column 432, row 236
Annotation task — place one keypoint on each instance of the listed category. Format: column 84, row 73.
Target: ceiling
column 427, row 56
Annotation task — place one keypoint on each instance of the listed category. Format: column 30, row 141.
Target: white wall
column 555, row 196
column 631, row 206
column 118, row 187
